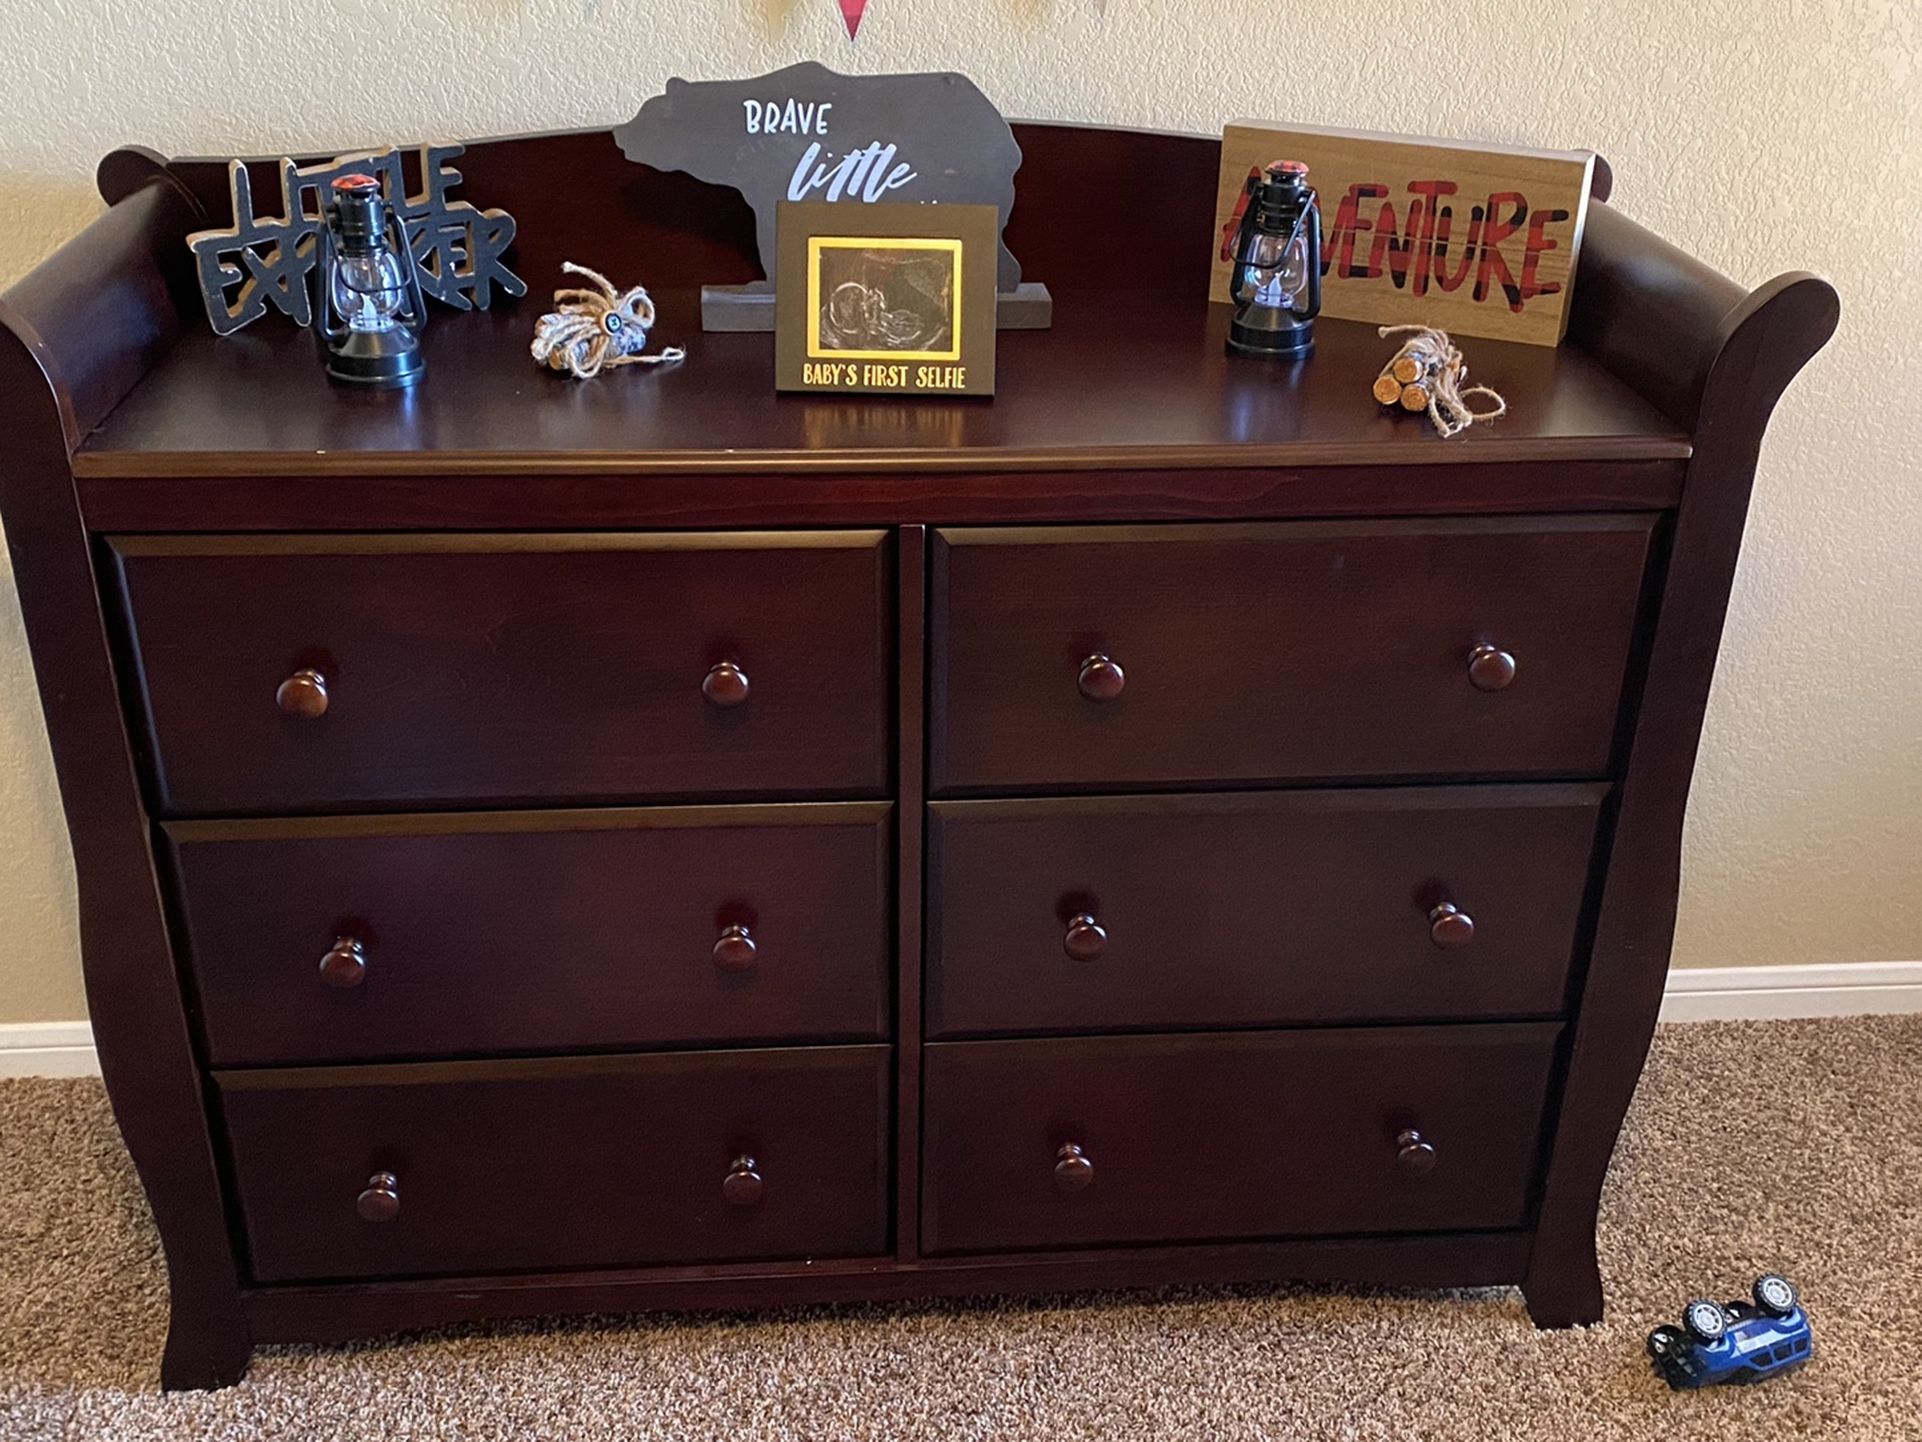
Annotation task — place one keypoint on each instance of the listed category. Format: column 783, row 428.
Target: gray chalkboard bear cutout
column 808, row 133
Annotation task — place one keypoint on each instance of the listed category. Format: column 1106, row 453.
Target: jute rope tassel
column 599, row 329
column 1426, row 374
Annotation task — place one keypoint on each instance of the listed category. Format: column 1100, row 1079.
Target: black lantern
column 1276, row 281
column 366, row 291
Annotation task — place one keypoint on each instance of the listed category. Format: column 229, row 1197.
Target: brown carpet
column 1787, row 1145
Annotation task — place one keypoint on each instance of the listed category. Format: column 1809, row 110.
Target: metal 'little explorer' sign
column 806, row 133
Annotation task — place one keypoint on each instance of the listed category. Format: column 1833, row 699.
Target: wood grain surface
column 577, row 1162
column 1254, row 908
column 538, row 931
column 1269, row 653
column 1150, row 385
column 1245, row 1134
column 511, row 669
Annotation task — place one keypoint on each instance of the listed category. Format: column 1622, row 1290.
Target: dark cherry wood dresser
column 557, row 847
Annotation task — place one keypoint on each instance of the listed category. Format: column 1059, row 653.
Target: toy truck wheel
column 1775, row 1295
column 1705, row 1321
column 1664, row 1340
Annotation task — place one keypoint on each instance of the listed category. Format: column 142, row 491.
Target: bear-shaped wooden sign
column 806, row 133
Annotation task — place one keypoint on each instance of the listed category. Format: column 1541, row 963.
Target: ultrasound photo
column 887, row 298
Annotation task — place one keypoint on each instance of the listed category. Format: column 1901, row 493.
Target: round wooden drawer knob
column 1414, row 1154
column 1101, row 678
column 1086, row 938
column 1073, row 1171
column 346, row 964
column 380, row 1200
column 1490, row 668
column 303, row 695
column 1449, row 926
column 725, row 686
column 742, row 1185
column 735, row 950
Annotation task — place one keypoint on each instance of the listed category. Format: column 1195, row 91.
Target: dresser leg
column 1563, row 1287
column 204, row 1352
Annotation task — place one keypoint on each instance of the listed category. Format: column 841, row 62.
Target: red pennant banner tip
column 851, row 13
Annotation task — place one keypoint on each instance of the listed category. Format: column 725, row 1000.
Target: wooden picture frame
column 886, row 299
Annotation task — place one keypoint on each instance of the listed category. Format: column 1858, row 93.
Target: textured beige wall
column 1730, row 123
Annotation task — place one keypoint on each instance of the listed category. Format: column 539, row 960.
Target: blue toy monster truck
column 1732, row 1341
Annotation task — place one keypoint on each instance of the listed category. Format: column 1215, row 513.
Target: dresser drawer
column 497, row 669
column 1250, row 909
column 562, row 1163
column 1184, row 654
column 1095, row 1140
column 363, row 938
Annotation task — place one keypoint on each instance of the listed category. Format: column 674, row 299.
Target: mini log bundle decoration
column 1426, row 374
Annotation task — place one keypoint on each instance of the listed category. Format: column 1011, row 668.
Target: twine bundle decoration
column 598, row 329
column 1426, row 374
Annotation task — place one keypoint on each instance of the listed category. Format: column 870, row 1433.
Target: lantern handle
column 320, row 302
column 410, row 266
column 1311, row 242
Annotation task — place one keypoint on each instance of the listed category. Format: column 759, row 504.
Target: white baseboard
column 48, row 1048
column 1703, row 993
column 1778, row 993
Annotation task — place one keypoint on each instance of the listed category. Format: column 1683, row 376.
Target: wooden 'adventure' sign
column 1478, row 240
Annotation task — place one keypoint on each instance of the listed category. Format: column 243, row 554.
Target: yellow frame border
column 819, row 243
